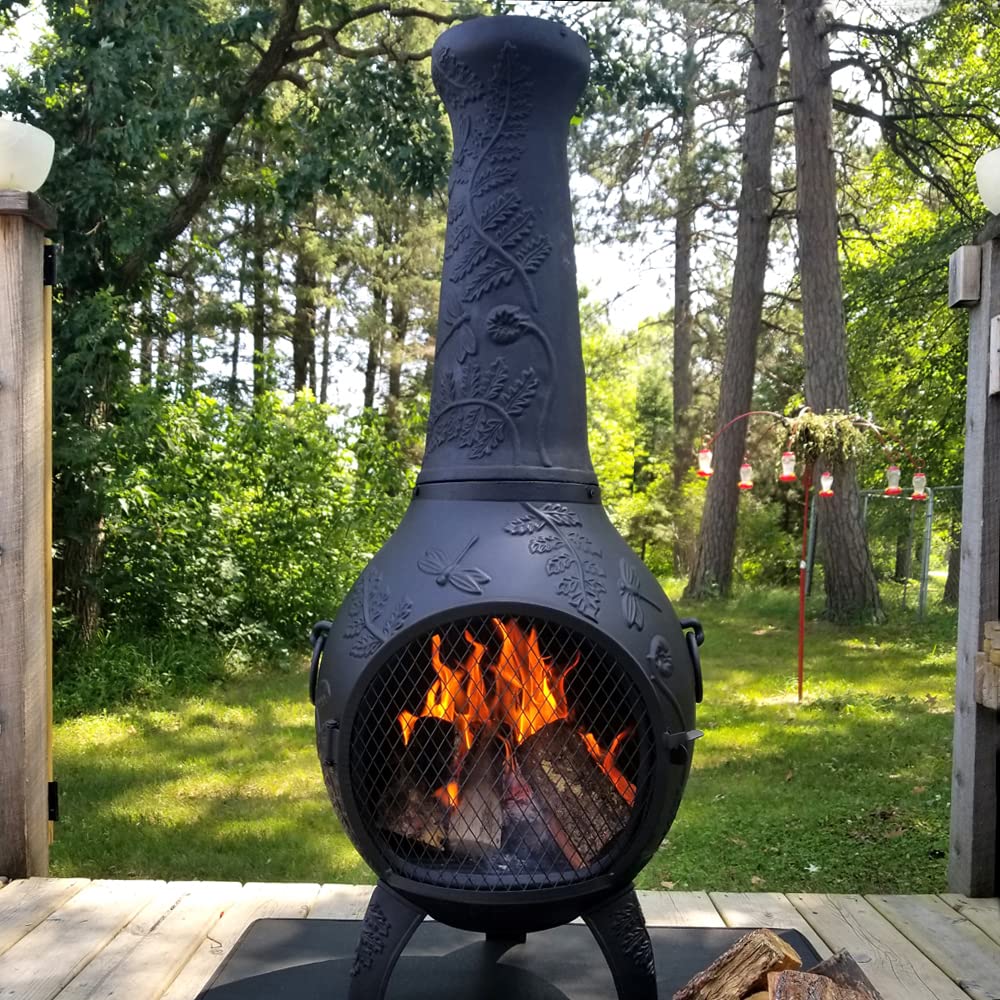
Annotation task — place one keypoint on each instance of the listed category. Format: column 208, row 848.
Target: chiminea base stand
column 617, row 924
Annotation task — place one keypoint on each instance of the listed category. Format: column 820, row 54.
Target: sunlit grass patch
column 847, row 792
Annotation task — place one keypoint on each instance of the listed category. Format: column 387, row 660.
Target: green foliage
column 115, row 668
column 833, row 436
column 249, row 524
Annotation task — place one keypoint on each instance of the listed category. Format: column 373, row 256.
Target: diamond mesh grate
column 500, row 754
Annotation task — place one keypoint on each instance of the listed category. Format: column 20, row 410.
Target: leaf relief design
column 367, row 623
column 492, row 238
column 476, row 409
column 571, row 554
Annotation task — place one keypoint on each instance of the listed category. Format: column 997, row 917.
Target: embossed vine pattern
column 375, row 931
column 629, row 928
column 476, row 409
column 368, row 625
column 492, row 240
column 571, row 554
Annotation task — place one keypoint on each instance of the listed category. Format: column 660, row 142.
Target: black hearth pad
column 279, row 959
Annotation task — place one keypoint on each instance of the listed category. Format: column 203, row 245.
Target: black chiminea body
column 505, row 703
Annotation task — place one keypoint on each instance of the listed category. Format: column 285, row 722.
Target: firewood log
column 583, row 810
column 475, row 823
column 844, row 971
column 742, row 969
column 790, row 985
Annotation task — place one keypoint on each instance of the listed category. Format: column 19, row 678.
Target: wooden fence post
column 974, row 858
column 25, row 556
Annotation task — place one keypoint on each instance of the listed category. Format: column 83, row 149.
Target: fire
column 448, row 796
column 511, row 699
column 606, row 760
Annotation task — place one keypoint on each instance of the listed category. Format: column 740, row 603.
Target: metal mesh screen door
column 500, row 753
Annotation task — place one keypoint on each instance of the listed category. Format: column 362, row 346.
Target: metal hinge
column 49, row 265
column 54, row 801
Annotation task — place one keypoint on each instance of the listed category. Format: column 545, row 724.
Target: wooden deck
column 143, row 940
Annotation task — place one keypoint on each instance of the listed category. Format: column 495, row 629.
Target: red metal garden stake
column 806, row 487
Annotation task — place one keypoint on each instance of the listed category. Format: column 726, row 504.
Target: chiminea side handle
column 320, row 631
column 695, row 638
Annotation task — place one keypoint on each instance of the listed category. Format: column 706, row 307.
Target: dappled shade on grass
column 847, row 793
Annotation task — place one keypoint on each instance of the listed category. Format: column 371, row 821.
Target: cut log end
column 743, row 969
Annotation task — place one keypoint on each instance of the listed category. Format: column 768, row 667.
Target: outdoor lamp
column 892, row 478
column 25, row 156
column 826, row 484
column 919, row 486
column 988, row 179
column 787, row 467
column 705, row 463
column 746, row 475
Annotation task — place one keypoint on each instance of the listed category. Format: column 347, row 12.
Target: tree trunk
column 146, row 357
column 901, row 571
column 950, row 596
column 851, row 588
column 234, row 359
column 687, row 206
column 375, row 339
column 187, row 364
column 324, row 379
column 399, row 321
column 713, row 568
column 304, row 322
column 258, row 279
column 258, row 318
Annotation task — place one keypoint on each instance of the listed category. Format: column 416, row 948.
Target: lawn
column 845, row 793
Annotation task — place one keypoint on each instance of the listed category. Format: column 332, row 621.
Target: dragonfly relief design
column 469, row 579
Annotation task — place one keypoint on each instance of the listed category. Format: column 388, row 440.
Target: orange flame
column 606, row 761
column 448, row 796
column 513, row 698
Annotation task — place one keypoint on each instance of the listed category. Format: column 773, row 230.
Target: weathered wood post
column 25, row 537
column 974, row 860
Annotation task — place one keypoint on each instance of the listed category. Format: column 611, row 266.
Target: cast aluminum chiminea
column 505, row 703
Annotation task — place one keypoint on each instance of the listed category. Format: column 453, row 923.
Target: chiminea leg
column 389, row 923
column 621, row 932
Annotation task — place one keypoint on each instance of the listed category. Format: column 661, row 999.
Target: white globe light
column 25, row 156
column 988, row 179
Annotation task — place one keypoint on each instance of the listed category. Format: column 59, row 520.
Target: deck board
column 26, row 903
column 984, row 913
column 48, row 957
column 764, row 909
column 258, row 900
column 72, row 939
column 146, row 955
column 955, row 945
column 897, row 968
column 679, row 909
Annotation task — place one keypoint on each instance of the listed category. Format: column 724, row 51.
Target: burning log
column 475, row 824
column 418, row 817
column 581, row 806
column 417, row 803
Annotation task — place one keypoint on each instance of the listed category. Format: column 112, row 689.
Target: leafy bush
column 244, row 523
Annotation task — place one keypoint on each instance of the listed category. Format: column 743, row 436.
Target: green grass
column 846, row 793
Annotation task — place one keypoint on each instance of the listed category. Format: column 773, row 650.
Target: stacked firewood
column 761, row 966
column 988, row 668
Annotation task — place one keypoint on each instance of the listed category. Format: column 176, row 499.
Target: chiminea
column 505, row 703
